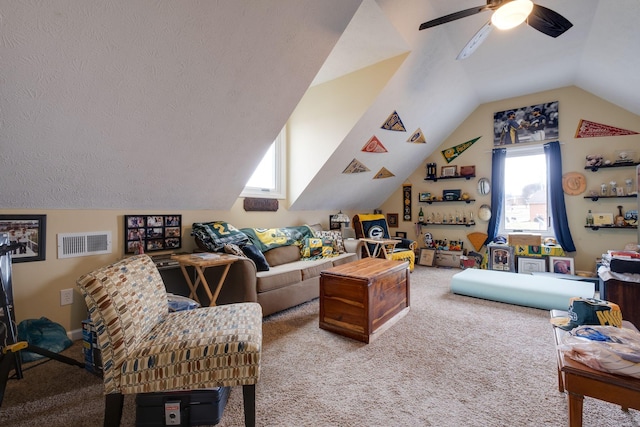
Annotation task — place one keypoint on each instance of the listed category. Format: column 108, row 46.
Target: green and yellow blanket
column 269, row 238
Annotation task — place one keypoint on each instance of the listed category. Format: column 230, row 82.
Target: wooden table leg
column 219, row 286
column 192, row 286
column 560, row 381
column 201, row 278
column 575, row 409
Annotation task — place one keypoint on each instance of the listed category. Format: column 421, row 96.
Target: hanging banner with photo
column 417, row 137
column 538, row 122
column 355, row 167
column 383, row 173
column 394, row 123
column 374, row 146
column 406, row 202
column 587, row 129
column 451, row 153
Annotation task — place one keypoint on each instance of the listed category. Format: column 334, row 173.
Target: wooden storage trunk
column 363, row 298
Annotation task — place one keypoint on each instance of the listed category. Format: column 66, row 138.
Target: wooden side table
column 579, row 380
column 380, row 246
column 200, row 264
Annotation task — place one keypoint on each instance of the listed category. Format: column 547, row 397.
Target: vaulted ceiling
column 170, row 105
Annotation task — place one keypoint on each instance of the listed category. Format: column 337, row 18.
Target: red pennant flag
column 374, row 146
column 587, row 129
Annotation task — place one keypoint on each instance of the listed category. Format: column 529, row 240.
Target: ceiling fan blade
column 454, row 16
column 475, row 41
column 547, row 21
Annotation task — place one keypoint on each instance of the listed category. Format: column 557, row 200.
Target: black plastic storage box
column 181, row 407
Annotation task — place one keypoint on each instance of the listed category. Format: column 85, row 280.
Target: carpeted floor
column 451, row 361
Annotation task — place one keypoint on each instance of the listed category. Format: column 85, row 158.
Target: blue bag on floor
column 42, row 333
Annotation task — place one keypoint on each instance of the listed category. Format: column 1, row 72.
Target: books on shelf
column 205, row 255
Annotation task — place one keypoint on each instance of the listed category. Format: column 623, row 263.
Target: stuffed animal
column 594, row 160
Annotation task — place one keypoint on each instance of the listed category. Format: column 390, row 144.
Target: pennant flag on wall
column 355, row 167
column 587, row 129
column 383, row 173
column 374, row 146
column 417, row 137
column 453, row 152
column 394, row 123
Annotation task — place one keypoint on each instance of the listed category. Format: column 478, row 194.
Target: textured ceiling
column 170, row 105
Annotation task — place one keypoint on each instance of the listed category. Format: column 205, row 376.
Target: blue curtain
column 557, row 209
column 497, row 192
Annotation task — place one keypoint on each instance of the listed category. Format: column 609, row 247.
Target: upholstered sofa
column 290, row 279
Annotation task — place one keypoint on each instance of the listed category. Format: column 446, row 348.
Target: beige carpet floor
column 451, row 361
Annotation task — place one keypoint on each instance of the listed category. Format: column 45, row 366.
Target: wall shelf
column 468, row 224
column 595, row 198
column 436, row 178
column 448, row 201
column 612, row 165
column 611, row 227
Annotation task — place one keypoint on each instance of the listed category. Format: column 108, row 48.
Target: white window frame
column 521, row 152
column 279, row 170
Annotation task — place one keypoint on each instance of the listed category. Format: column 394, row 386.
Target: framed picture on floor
column 427, row 257
column 561, row 265
column 501, row 258
column 528, row 265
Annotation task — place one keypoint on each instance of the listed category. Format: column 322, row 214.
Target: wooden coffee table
column 580, row 380
column 362, row 299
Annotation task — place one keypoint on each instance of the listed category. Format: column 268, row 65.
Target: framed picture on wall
column 27, row 233
column 501, row 258
column 392, row 219
column 149, row 233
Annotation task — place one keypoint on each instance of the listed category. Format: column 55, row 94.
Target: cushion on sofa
column 215, row 234
column 278, row 277
column 335, row 236
column 256, row 256
column 282, row 255
column 316, row 247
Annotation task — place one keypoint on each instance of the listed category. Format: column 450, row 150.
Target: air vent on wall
column 71, row 245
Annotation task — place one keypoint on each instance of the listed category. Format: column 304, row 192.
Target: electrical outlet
column 66, row 296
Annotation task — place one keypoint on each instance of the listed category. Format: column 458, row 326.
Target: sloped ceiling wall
column 151, row 104
column 170, row 105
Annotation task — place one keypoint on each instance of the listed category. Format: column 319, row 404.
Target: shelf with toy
column 448, row 201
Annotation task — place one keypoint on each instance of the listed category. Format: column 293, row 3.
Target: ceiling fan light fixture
column 512, row 14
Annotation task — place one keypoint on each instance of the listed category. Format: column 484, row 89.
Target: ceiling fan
column 507, row 14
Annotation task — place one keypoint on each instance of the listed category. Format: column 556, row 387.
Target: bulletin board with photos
column 153, row 232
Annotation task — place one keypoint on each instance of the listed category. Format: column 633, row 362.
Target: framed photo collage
column 152, row 232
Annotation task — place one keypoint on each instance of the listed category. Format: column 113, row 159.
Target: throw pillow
column 315, row 247
column 232, row 249
column 334, row 235
column 254, row 254
column 214, row 235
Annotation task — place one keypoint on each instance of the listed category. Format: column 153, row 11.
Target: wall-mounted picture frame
column 401, row 234
column 28, row 233
column 332, row 224
column 532, row 123
column 528, row 265
column 561, row 265
column 427, row 257
column 501, row 258
column 424, row 197
column 152, row 233
column 446, row 171
column 392, row 219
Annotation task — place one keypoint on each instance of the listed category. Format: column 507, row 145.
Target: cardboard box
column 524, row 239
